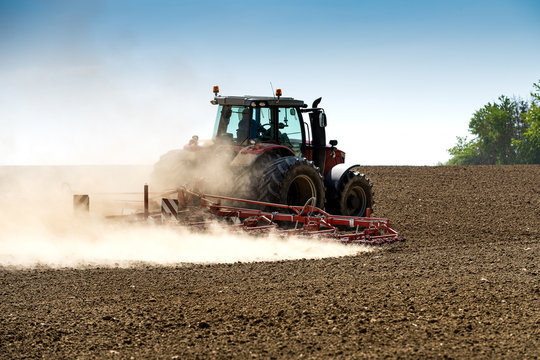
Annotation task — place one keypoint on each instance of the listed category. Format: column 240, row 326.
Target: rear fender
column 249, row 154
column 334, row 177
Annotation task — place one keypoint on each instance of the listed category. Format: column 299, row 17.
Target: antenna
column 272, row 87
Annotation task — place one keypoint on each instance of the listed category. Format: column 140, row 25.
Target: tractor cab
column 249, row 120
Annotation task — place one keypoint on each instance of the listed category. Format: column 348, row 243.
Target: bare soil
column 465, row 284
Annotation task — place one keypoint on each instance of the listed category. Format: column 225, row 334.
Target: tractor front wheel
column 354, row 195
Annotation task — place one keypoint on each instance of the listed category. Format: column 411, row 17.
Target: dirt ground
column 465, row 284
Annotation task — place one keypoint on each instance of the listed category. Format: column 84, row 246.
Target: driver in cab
column 246, row 126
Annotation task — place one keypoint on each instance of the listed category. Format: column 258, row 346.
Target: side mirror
column 322, row 119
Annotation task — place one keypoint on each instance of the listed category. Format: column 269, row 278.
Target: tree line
column 504, row 132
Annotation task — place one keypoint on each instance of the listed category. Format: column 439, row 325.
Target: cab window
column 289, row 129
column 237, row 123
column 263, row 117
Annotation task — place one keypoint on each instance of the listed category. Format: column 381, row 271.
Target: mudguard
column 335, row 176
column 249, row 154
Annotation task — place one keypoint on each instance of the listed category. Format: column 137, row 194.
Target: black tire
column 354, row 195
column 247, row 178
column 291, row 180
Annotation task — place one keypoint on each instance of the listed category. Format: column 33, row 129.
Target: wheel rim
column 355, row 201
column 301, row 190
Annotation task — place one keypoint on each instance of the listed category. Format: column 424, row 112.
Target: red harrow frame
column 198, row 210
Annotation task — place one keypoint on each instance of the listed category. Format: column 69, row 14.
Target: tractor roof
column 248, row 100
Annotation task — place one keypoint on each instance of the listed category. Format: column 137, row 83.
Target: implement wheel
column 291, row 180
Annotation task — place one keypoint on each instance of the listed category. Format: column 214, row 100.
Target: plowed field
column 465, row 284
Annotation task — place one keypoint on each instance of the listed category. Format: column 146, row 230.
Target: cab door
column 290, row 129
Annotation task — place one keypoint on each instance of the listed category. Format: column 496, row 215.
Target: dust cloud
column 39, row 226
column 208, row 161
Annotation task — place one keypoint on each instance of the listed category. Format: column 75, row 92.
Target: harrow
column 198, row 210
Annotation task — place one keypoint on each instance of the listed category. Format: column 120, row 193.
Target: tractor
column 270, row 149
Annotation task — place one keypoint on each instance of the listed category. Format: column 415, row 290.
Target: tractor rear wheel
column 291, row 180
column 247, row 179
column 353, row 197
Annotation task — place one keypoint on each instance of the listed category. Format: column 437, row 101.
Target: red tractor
column 263, row 148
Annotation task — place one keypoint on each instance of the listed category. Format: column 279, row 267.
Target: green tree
column 505, row 132
column 528, row 146
column 466, row 152
column 495, row 125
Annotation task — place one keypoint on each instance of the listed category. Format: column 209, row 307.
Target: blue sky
column 122, row 82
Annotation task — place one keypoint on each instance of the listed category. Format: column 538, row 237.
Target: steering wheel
column 265, row 132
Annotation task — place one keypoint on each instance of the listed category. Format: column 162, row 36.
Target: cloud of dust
column 208, row 163
column 39, row 226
